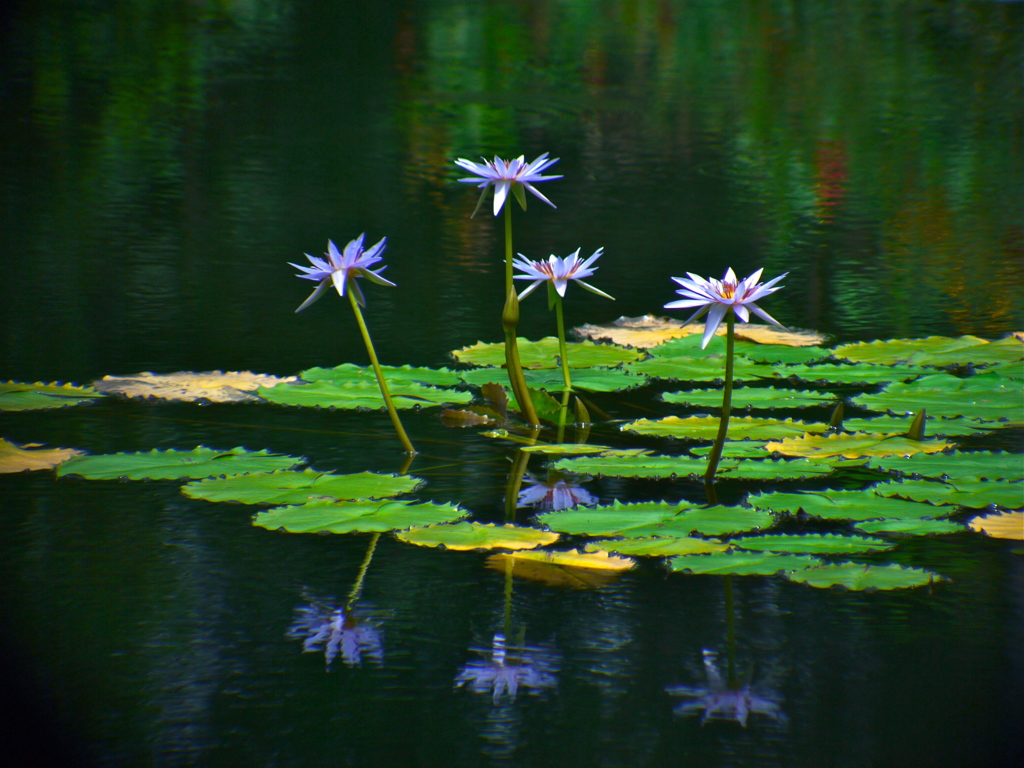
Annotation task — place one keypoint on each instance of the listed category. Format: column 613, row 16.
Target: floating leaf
column 735, row 449
column 699, row 368
column 467, row 418
column 352, row 516
column 706, row 427
column 741, row 563
column 565, row 449
column 18, row 396
column 858, row 577
column 965, row 493
column 978, row 397
column 465, row 536
column 361, row 393
column 811, row 544
column 845, row 505
column 207, row 386
column 752, row 397
column 31, row 456
column 974, row 465
column 573, row 558
column 655, row 519
column 934, row 350
column 659, row 547
column 921, row 527
column 285, row 487
column 774, row 469
column 592, row 379
column 1007, row 525
column 395, row 375
column 175, row 465
column 863, row 374
column 855, row 445
column 543, row 354
column 550, row 573
column 649, row 331
column 900, row 425
column 643, row 465
column 690, row 346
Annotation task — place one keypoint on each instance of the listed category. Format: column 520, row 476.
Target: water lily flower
column 506, row 175
column 342, row 268
column 717, row 297
column 719, row 701
column 554, row 494
column 501, row 671
column 559, row 272
column 337, row 631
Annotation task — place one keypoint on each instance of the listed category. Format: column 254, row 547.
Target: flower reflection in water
column 336, row 630
column 721, row 701
column 556, row 492
column 504, row 670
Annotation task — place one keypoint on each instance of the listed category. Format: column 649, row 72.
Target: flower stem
column 563, row 350
column 508, row 245
column 509, row 321
column 357, row 588
column 392, row 412
column 723, row 424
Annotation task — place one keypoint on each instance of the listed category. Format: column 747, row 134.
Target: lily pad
column 690, row 346
column 965, row 493
column 286, row 487
column 846, row 505
column 32, row 456
column 1008, row 525
column 658, row 546
column 900, row 425
column 863, row 374
column 706, row 427
column 659, row 519
column 552, row 573
column 175, row 465
column 592, row 379
column 565, row 449
column 573, row 558
column 544, row 353
column 774, row 469
column 361, row 393
column 811, row 544
column 973, row 465
column 710, row 368
column 466, row 536
column 977, row 397
column 856, row 576
column 855, row 445
column 922, row 527
column 18, row 396
column 752, row 397
column 206, row 386
column 352, row 516
column 735, row 449
column 405, row 374
column 934, row 350
column 650, row 331
column 642, row 465
column 742, row 563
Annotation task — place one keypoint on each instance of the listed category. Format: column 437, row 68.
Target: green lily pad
column 658, row 546
column 543, row 354
column 966, row 493
column 973, row 465
column 742, row 563
column 565, row 449
column 935, row 350
column 845, row 505
column 690, row 346
column 706, row 427
column 752, row 397
column 465, row 536
column 286, row 487
column 642, row 465
column 394, row 375
column 176, row 465
column 699, row 368
column 900, row 425
column 352, row 516
column 863, row 374
column 361, row 393
column 735, row 449
column 774, row 469
column 922, row 527
column 591, row 379
column 977, row 397
column 811, row 544
column 855, row 445
column 659, row 519
column 18, row 396
column 856, row 576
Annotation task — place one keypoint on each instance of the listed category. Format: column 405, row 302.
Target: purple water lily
column 504, row 671
column 720, row 701
column 559, row 272
column 717, row 297
column 505, row 175
column 342, row 268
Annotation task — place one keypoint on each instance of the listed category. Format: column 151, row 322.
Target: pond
column 164, row 162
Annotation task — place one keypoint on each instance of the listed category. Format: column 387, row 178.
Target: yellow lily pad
column 208, row 386
column 1008, row 525
column 552, row 574
column 32, row 456
column 854, row 446
column 466, row 536
column 650, row 331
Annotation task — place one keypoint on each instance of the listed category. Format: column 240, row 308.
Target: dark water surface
column 163, row 160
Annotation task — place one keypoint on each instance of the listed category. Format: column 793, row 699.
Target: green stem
column 392, row 411
column 515, row 482
column 563, row 349
column 723, row 424
column 508, row 244
column 563, row 414
column 509, row 321
column 357, row 588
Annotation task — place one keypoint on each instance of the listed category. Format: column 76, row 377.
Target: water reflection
column 505, row 670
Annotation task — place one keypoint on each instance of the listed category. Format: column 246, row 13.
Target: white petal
column 714, row 320
column 501, row 189
column 761, row 313
column 338, row 278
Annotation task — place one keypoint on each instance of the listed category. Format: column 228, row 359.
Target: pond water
column 163, row 161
